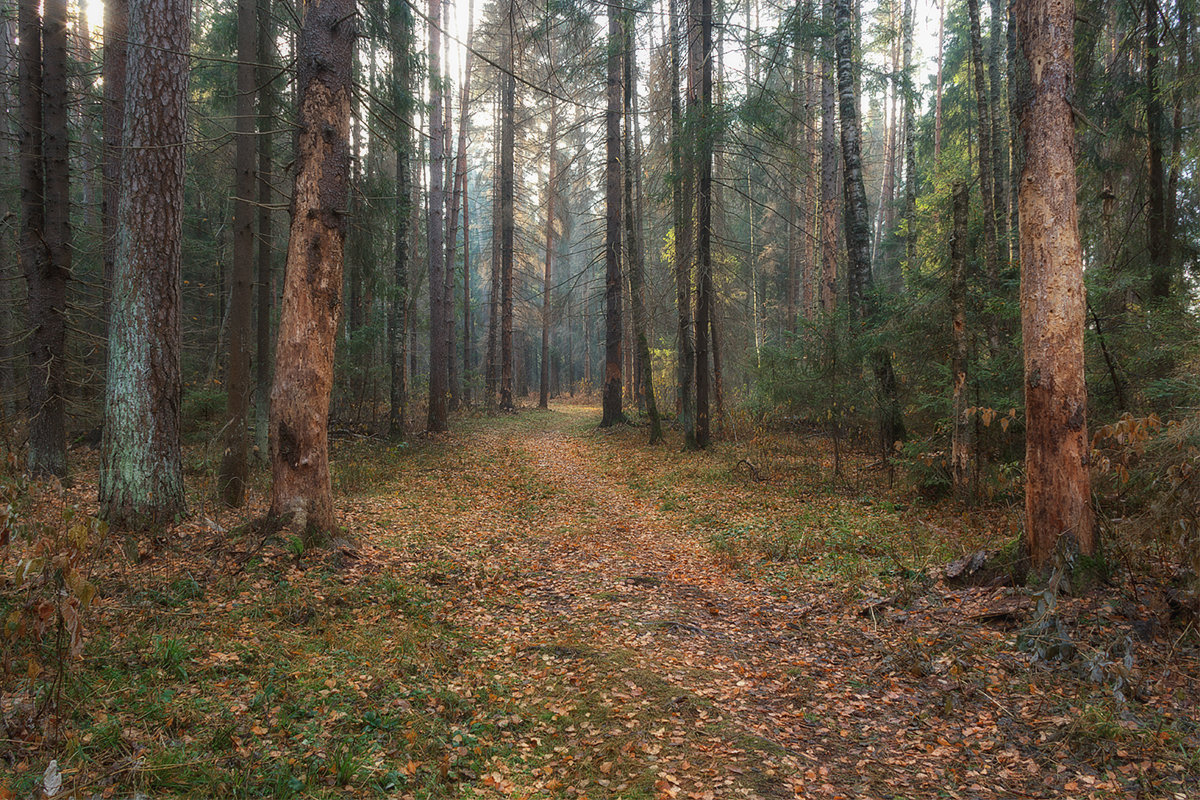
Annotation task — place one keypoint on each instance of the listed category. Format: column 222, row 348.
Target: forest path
column 667, row 672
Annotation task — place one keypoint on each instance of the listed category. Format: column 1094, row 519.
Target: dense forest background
column 937, row 91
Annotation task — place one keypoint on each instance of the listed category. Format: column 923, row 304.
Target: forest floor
column 531, row 607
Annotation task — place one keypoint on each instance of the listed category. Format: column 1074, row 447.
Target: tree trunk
column 491, row 372
column 1058, row 513
column 681, row 198
column 1157, row 243
column 46, row 230
column 266, row 236
column 116, row 25
column 637, row 289
column 858, row 232
column 986, row 190
column 999, row 135
column 401, row 30
column 312, row 296
column 231, row 478
column 10, row 244
column 611, row 404
column 701, row 52
column 544, row 382
column 829, row 176
column 937, row 107
column 910, row 149
column 507, row 222
column 438, row 316
column 960, row 457
column 141, row 475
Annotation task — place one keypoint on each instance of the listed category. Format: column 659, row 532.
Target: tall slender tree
column 401, row 29
column 234, row 470
column 141, row 475
column 681, row 198
column 507, row 219
column 700, row 107
column 266, row 74
column 438, row 317
column 611, row 401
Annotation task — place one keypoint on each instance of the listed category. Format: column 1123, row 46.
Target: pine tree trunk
column 999, row 135
column 401, row 30
column 1157, row 243
column 960, row 457
column 507, row 221
column 611, row 403
column 116, row 29
column 492, row 374
column 141, row 475
column 47, row 273
column 266, row 234
column 10, row 245
column 231, row 478
column 1058, row 514
column 438, row 316
column 700, row 108
column 681, row 194
column 637, row 289
column 312, row 296
column 552, row 140
column 459, row 198
column 986, row 190
column 937, row 112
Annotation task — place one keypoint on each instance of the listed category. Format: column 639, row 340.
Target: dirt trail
column 751, row 692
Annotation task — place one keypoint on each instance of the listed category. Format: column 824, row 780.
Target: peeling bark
column 1058, row 513
column 312, row 297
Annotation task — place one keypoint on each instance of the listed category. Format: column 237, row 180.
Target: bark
column 491, row 374
column 266, row 235
column 860, row 295
column 48, row 267
column 34, row 258
column 544, row 382
column 468, row 319
column 10, row 244
column 434, row 237
column 637, row 291
column 1058, row 514
column 1014, row 138
column 401, row 30
column 701, row 70
column 459, row 198
column 116, row 24
column 681, row 252
column 858, row 233
column 910, row 150
column 611, row 404
column 507, row 223
column 829, row 176
column 234, row 469
column 986, row 190
column 960, row 457
column 937, row 107
column 300, row 491
column 999, row 135
column 141, row 475
column 451, row 225
column 1157, row 243
column 1182, row 76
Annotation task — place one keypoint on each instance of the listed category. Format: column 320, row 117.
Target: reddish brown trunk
column 312, row 296
column 1058, row 514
